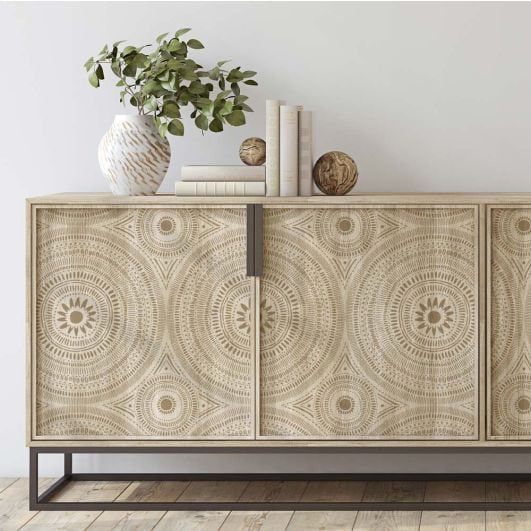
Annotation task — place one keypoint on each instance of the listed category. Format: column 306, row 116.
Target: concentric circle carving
column 83, row 423
column 344, row 232
column 416, row 328
column 419, row 422
column 512, row 405
column 98, row 316
column 345, row 405
column 166, row 232
column 301, row 331
column 511, row 230
column 209, row 308
column 166, row 404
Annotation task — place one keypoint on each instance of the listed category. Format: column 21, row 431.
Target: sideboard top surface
column 92, row 198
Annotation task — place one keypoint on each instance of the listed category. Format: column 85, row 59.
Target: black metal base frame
column 43, row 502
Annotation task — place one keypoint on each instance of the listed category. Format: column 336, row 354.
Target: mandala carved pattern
column 510, row 336
column 370, row 328
column 115, row 357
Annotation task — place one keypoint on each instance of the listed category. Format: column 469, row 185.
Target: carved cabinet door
column 142, row 324
column 509, row 276
column 369, row 323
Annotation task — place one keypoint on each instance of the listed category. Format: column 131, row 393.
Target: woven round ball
column 335, row 173
column 253, row 151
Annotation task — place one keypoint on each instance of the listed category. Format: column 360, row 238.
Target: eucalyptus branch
column 167, row 80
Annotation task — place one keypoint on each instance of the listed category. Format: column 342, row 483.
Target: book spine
column 219, row 188
column 289, row 151
column 272, row 147
column 222, row 173
column 305, row 153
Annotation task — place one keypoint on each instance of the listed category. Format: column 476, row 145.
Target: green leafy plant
column 166, row 80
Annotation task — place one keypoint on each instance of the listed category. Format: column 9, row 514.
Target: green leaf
column 133, row 101
column 196, row 87
column 99, row 72
column 234, row 76
column 250, row 82
column 175, row 45
column 246, row 107
column 171, row 110
column 151, row 87
column 216, row 125
column 104, row 50
column 115, row 68
column 235, row 118
column 120, row 83
column 223, row 94
column 163, row 128
column 202, row 122
column 214, row 73
column 221, row 83
column 195, row 44
column 89, row 64
column 129, row 70
column 176, row 127
column 93, row 79
column 151, row 104
column 248, row 73
column 240, row 99
column 235, row 88
column 160, row 38
column 117, row 43
column 182, row 31
column 221, row 63
column 128, row 49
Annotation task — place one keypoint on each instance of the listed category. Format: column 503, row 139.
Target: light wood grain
column 269, row 491
column 322, row 521
column 455, row 491
column 508, row 520
column 127, row 521
column 153, row 491
column 14, row 500
column 256, row 521
column 213, row 491
column 97, row 491
column 394, row 491
column 350, row 199
column 508, row 491
column 388, row 520
column 452, row 521
column 331, row 491
column 192, row 521
column 408, row 279
column 6, row 482
column 67, row 521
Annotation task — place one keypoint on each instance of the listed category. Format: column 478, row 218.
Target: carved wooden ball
column 335, row 173
column 253, row 151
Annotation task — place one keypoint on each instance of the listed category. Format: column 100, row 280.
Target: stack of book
column 288, row 150
column 221, row 181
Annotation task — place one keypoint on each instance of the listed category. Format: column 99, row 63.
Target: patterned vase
column 133, row 156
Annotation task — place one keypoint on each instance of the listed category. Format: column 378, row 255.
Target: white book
column 223, row 173
column 219, row 188
column 289, row 151
column 273, row 147
column 305, row 153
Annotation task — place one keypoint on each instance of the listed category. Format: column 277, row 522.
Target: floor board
column 388, row 520
column 257, row 521
column 14, row 512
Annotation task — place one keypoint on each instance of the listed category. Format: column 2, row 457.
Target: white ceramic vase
column 133, row 156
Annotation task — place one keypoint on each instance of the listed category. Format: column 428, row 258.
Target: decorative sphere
column 253, row 151
column 335, row 173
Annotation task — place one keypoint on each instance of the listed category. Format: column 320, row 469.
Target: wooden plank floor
column 14, row 513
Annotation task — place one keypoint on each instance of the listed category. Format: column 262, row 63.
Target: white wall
column 425, row 97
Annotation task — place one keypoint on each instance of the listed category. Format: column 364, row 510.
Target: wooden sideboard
column 363, row 320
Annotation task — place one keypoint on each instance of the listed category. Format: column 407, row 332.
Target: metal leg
column 44, row 501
